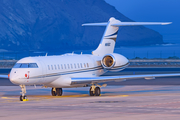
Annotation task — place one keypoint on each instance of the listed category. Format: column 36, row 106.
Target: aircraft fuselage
column 54, row 71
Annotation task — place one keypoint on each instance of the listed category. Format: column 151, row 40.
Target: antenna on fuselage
column 46, row 54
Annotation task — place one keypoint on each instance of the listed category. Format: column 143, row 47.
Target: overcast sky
column 155, row 11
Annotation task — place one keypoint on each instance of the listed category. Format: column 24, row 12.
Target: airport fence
column 129, row 55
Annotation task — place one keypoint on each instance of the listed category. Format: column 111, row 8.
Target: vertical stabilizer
column 108, row 40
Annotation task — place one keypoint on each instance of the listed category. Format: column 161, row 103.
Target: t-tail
column 108, row 40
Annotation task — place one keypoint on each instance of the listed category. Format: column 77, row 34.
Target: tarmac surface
column 115, row 103
column 137, row 99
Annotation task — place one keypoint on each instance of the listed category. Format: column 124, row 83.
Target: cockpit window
column 17, row 65
column 25, row 65
column 33, row 65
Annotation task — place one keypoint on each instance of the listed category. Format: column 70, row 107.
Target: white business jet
column 74, row 70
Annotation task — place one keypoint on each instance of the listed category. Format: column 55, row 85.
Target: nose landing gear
column 23, row 97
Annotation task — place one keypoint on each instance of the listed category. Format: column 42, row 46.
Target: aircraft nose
column 13, row 77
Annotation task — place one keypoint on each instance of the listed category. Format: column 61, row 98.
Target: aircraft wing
column 95, row 80
column 4, row 76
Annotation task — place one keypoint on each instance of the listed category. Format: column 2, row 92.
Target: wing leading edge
column 95, row 80
column 4, row 76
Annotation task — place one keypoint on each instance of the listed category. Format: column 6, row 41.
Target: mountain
column 56, row 25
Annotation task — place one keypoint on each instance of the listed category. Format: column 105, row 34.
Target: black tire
column 91, row 92
column 53, row 93
column 59, row 91
column 22, row 97
column 97, row 91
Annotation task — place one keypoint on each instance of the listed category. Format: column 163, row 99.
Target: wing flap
column 95, row 80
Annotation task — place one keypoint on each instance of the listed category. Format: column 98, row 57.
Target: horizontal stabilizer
column 95, row 24
column 127, row 24
column 140, row 23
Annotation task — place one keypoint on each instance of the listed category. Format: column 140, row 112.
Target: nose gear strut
column 23, row 97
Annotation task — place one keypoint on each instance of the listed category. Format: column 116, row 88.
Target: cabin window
column 58, row 66
column 78, row 65
column 52, row 67
column 74, row 65
column 61, row 66
column 87, row 65
column 81, row 65
column 48, row 67
column 68, row 66
column 55, row 67
column 84, row 65
column 71, row 66
column 64, row 66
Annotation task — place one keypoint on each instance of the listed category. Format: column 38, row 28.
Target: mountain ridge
column 53, row 25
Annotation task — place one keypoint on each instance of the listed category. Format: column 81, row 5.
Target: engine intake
column 108, row 61
column 114, row 62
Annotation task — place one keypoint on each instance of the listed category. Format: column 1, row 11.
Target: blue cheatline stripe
column 70, row 72
column 76, row 72
column 112, row 34
column 121, row 66
column 80, row 71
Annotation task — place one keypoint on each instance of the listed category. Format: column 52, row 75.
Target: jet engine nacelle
column 114, row 62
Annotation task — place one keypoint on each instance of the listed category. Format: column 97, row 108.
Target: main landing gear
column 94, row 91
column 56, row 91
column 23, row 97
